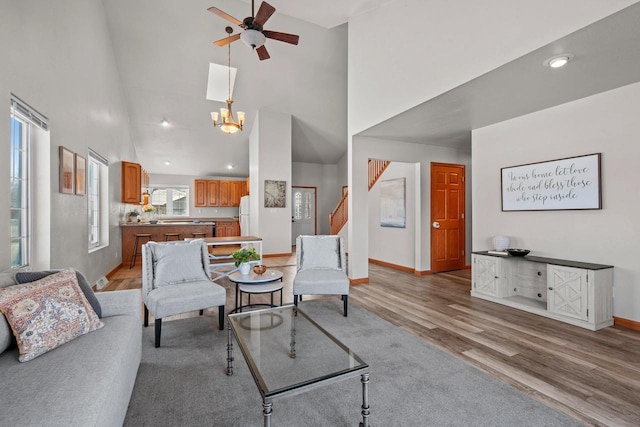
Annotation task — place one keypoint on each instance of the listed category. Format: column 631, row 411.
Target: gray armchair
column 175, row 280
column 321, row 268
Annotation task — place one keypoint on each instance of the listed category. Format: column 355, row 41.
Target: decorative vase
column 245, row 267
column 501, row 243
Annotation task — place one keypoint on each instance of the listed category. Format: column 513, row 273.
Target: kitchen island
column 185, row 229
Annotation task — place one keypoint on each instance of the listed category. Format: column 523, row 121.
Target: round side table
column 267, row 283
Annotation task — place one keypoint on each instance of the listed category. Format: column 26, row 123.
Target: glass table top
column 280, row 364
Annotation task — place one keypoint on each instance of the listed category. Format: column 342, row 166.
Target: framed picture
column 67, row 171
column 393, row 203
column 275, row 194
column 81, row 173
column 565, row 184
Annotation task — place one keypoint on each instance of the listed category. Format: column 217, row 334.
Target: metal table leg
column 364, row 379
column 229, row 349
column 266, row 411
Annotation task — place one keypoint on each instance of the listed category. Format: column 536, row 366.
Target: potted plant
column 132, row 216
column 242, row 257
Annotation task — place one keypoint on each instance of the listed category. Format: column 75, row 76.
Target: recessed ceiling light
column 167, row 163
column 165, row 122
column 558, row 61
column 231, row 166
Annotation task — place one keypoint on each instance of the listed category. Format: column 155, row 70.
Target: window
column 30, row 187
column 19, row 177
column 170, row 200
column 302, row 205
column 98, row 202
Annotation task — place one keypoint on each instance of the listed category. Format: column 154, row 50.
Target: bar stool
column 168, row 235
column 198, row 235
column 135, row 247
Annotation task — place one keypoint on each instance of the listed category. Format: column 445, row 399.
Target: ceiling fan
column 254, row 34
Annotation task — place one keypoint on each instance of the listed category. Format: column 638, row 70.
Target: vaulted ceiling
column 163, row 49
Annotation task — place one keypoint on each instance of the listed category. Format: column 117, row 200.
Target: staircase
column 340, row 215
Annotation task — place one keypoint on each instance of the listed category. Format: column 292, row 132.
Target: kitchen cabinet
column 573, row 292
column 227, row 228
column 218, row 193
column 131, row 182
column 224, row 198
column 213, row 193
column 200, row 189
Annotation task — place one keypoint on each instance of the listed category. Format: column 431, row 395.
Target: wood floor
column 591, row 376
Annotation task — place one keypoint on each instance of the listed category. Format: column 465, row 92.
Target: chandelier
column 228, row 123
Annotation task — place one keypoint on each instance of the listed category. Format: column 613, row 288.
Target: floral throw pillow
column 47, row 313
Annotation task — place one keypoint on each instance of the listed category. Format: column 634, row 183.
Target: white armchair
column 175, row 280
column 321, row 268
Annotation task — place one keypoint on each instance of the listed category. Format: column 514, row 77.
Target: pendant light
column 228, row 123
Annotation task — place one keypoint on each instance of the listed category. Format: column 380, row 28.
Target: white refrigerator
column 244, row 216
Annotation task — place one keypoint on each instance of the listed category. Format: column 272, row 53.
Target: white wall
column 57, row 57
column 324, row 178
column 388, row 75
column 270, row 159
column 196, row 212
column 389, row 244
column 409, row 51
column 604, row 123
column 358, row 226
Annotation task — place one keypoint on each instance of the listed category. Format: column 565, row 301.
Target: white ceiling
column 163, row 48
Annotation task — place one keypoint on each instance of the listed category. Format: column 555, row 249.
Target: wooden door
column 447, row 217
column 200, row 187
column 213, row 193
column 131, row 182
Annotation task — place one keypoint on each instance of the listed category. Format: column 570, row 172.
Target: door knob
column 436, row 224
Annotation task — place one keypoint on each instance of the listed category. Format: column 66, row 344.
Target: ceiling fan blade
column 224, row 15
column 225, row 41
column 283, row 37
column 262, row 53
column 264, row 13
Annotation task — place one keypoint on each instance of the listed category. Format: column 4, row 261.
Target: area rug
column 183, row 383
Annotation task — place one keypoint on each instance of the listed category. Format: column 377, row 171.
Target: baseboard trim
column 422, row 273
column 112, row 273
column 626, row 323
column 276, row 255
column 360, row 281
column 401, row 267
column 390, row 265
column 467, row 267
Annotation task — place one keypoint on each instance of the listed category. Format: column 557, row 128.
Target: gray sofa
column 85, row 382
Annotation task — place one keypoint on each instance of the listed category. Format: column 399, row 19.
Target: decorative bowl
column 259, row 269
column 153, row 221
column 518, row 252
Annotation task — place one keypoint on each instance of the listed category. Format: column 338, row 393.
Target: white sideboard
column 569, row 291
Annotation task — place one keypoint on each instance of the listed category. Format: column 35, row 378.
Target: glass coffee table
column 289, row 353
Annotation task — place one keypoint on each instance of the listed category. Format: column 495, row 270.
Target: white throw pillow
column 320, row 252
column 177, row 263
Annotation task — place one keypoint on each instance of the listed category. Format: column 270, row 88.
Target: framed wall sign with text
column 564, row 184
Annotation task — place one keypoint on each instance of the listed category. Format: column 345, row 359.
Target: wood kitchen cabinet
column 131, row 182
column 200, row 188
column 218, row 193
column 227, row 228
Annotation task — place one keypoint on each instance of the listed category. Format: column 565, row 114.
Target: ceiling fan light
column 253, row 38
